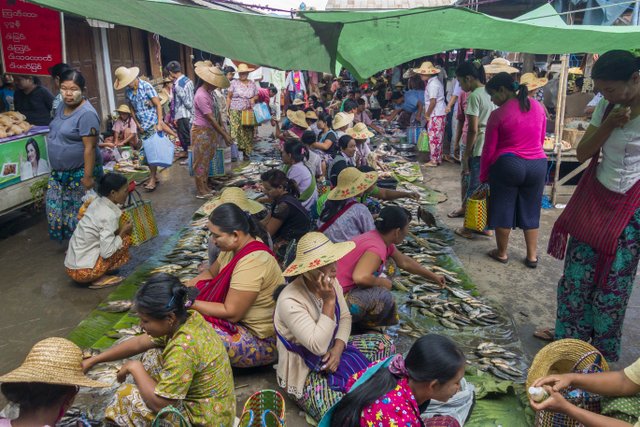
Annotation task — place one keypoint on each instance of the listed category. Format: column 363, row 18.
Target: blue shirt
column 411, row 100
column 142, row 105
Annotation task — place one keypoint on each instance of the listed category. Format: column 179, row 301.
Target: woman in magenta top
column 361, row 272
column 514, row 164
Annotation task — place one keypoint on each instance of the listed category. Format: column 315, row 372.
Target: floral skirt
column 245, row 350
column 243, row 135
column 204, row 142
column 317, row 397
column 64, row 199
column 435, row 129
column 372, row 307
column 117, row 260
column 595, row 312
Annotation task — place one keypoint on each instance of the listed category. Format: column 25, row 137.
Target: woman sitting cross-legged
column 236, row 292
column 191, row 373
column 313, row 324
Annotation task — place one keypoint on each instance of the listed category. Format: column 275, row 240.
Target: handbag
column 248, row 118
column 261, row 112
column 140, row 213
column 265, row 408
column 158, row 150
column 475, row 215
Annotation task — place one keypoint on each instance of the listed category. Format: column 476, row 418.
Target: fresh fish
column 89, row 352
column 448, row 324
column 498, row 373
column 119, row 306
column 124, row 332
column 426, row 216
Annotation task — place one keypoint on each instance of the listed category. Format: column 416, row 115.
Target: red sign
column 31, row 37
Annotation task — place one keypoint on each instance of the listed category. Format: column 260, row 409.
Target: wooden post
column 560, row 110
column 154, row 57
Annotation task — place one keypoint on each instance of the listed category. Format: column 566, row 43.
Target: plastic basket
column 265, row 408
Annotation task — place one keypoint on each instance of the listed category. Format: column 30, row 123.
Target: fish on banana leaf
column 119, row 306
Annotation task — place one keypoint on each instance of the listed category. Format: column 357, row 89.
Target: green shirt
column 479, row 105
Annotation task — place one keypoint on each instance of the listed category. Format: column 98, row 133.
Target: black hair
column 349, row 105
column 326, row 117
column 473, row 69
column 277, row 178
column 361, row 101
column 431, row 357
column 615, row 65
column 33, row 142
column 343, row 142
column 396, row 95
column 292, row 107
column 339, row 94
column 31, row 396
column 392, row 217
column 228, row 69
column 272, row 89
column 228, row 217
column 73, row 76
column 296, row 149
column 36, row 80
column 58, row 69
column 163, row 294
column 173, row 67
column 506, row 81
column 111, row 182
column 308, row 137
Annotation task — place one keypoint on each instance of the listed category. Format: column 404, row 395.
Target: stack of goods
column 13, row 123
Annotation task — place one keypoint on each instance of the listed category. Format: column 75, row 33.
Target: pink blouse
column 511, row 131
column 242, row 94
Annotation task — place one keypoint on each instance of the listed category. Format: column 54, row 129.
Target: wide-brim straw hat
column 500, row 65
column 532, row 82
column 427, row 69
column 52, row 361
column 124, row 76
column 561, row 357
column 205, row 63
column 351, row 183
column 123, row 109
column 214, row 76
column 359, row 131
column 238, row 197
column 315, row 250
column 244, row 68
column 298, row 118
column 297, row 101
column 342, row 119
column 311, row 115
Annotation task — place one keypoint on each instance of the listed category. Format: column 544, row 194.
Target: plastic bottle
column 538, row 394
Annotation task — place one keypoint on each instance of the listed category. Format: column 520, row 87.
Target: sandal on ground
column 106, row 282
column 493, row 254
column 463, row 232
column 456, row 214
column 150, row 188
column 547, row 334
column 531, row 264
column 448, row 159
column 431, row 165
column 485, row 233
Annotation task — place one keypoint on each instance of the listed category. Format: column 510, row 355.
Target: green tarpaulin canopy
column 363, row 42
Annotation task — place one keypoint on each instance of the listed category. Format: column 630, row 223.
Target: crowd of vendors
column 299, row 276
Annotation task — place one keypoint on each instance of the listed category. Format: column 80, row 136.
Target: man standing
column 147, row 111
column 181, row 109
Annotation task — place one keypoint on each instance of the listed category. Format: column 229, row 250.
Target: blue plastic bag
column 158, row 150
column 261, row 112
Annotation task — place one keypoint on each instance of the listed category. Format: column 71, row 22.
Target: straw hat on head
column 351, row 183
column 342, row 119
column 123, row 109
column 560, row 357
column 244, row 68
column 124, row 76
column 359, row 131
column 298, row 118
column 311, row 115
column 52, row 361
column 532, row 82
column 214, row 76
column 205, row 63
column 297, row 101
column 500, row 65
column 238, row 197
column 426, row 69
column 316, row 250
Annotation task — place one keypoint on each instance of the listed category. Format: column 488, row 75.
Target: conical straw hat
column 124, row 76
column 238, row 197
column 298, row 118
column 342, row 119
column 351, row 183
column 214, row 76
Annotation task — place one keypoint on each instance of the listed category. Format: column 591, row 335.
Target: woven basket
column 561, row 357
column 265, row 408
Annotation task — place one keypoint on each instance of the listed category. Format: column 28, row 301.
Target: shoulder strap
column 334, row 218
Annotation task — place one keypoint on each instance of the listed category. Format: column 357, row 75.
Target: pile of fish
column 499, row 361
column 189, row 253
column 119, row 306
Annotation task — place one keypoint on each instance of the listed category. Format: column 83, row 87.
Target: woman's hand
column 87, row 364
column 325, row 288
column 331, row 360
column 125, row 229
column 88, row 182
column 440, row 280
column 619, row 117
column 384, row 282
column 414, row 195
column 127, row 369
column 555, row 402
column 556, row 382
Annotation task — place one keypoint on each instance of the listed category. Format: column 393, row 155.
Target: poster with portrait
column 23, row 159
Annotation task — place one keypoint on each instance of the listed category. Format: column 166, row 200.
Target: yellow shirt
column 633, row 373
column 257, row 272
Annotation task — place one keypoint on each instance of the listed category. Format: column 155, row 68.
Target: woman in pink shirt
column 514, row 164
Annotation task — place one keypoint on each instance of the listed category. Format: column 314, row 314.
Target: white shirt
column 95, row 235
column 435, row 89
column 619, row 169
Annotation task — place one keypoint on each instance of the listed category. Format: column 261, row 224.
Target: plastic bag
column 261, row 112
column 158, row 150
column 423, row 142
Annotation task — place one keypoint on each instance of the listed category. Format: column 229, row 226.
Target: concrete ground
column 39, row 300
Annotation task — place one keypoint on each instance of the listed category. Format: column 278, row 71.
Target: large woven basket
column 562, row 357
column 265, row 408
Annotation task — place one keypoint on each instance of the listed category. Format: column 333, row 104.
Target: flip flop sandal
column 531, row 264
column 493, row 254
column 463, row 232
column 149, row 189
column 455, row 214
column 106, row 282
column 547, row 334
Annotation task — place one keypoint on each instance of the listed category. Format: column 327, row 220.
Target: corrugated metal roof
column 385, row 4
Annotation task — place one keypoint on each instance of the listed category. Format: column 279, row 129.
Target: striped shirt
column 183, row 94
column 142, row 105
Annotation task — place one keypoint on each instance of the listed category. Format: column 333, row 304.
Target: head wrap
column 397, row 368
